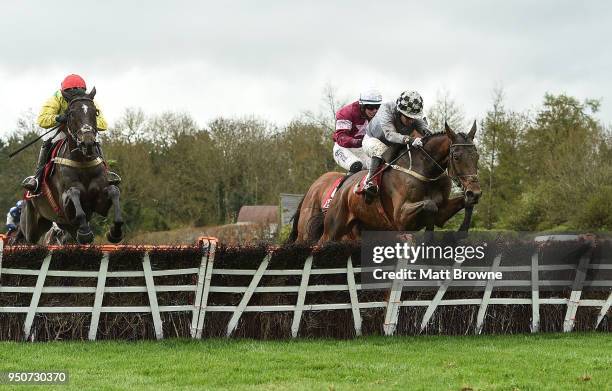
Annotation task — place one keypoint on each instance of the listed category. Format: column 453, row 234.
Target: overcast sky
column 273, row 58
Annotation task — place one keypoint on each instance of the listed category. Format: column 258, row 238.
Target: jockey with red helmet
column 351, row 123
column 52, row 113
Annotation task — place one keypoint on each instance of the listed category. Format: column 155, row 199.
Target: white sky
column 273, row 58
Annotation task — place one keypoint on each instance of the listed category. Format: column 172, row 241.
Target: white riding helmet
column 370, row 97
column 410, row 103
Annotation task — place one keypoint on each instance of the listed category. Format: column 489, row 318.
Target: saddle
column 358, row 189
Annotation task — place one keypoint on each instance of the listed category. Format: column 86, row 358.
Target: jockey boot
column 355, row 168
column 32, row 183
column 370, row 188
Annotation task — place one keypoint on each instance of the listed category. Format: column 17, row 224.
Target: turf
column 517, row 362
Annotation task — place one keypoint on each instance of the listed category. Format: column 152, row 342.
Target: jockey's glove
column 414, row 142
column 11, row 227
column 60, row 119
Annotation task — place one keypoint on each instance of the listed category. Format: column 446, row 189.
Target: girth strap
column 73, row 163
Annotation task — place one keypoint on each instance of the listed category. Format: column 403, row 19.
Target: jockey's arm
column 101, row 121
column 50, row 109
column 386, row 116
column 391, row 134
column 342, row 134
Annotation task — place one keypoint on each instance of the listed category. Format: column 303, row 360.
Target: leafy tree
column 445, row 109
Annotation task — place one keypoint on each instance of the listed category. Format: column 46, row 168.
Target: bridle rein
column 450, row 171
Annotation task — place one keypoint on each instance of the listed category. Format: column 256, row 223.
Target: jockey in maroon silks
column 351, row 123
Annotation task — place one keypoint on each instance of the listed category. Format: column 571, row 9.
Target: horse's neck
column 69, row 151
column 422, row 164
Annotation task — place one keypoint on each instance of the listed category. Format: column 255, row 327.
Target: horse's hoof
column 112, row 238
column 85, row 238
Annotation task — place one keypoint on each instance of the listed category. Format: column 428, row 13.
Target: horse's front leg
column 115, row 234
column 449, row 209
column 84, row 233
column 413, row 216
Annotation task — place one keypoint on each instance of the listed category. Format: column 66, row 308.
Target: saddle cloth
column 331, row 192
column 47, row 171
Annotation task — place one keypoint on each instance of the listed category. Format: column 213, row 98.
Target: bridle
column 73, row 134
column 450, row 171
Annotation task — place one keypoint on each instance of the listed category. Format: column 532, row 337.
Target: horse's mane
column 432, row 135
column 442, row 133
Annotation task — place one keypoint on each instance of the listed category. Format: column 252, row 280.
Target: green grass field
column 519, row 362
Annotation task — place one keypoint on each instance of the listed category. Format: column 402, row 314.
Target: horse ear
column 92, row 93
column 449, row 132
column 472, row 131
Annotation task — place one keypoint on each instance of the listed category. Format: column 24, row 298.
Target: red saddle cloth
column 331, row 192
column 44, row 187
column 50, row 164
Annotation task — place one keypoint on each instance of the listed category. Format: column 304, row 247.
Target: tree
column 501, row 172
column 445, row 109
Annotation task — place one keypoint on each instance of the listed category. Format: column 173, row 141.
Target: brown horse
column 78, row 184
column 308, row 218
column 414, row 193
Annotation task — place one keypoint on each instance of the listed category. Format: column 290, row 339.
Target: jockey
column 53, row 113
column 13, row 217
column 351, row 122
column 399, row 122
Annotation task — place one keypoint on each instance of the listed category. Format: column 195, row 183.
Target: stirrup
column 370, row 192
column 113, row 178
column 370, row 187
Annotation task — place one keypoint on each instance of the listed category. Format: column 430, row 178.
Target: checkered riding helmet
column 410, row 103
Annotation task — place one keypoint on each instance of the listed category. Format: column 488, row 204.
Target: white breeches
column 345, row 157
column 373, row 147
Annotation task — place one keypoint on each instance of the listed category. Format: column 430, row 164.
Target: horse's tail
column 294, row 228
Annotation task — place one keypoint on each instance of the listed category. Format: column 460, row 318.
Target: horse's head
column 463, row 162
column 82, row 123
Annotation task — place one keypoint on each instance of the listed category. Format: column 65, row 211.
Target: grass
column 512, row 362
